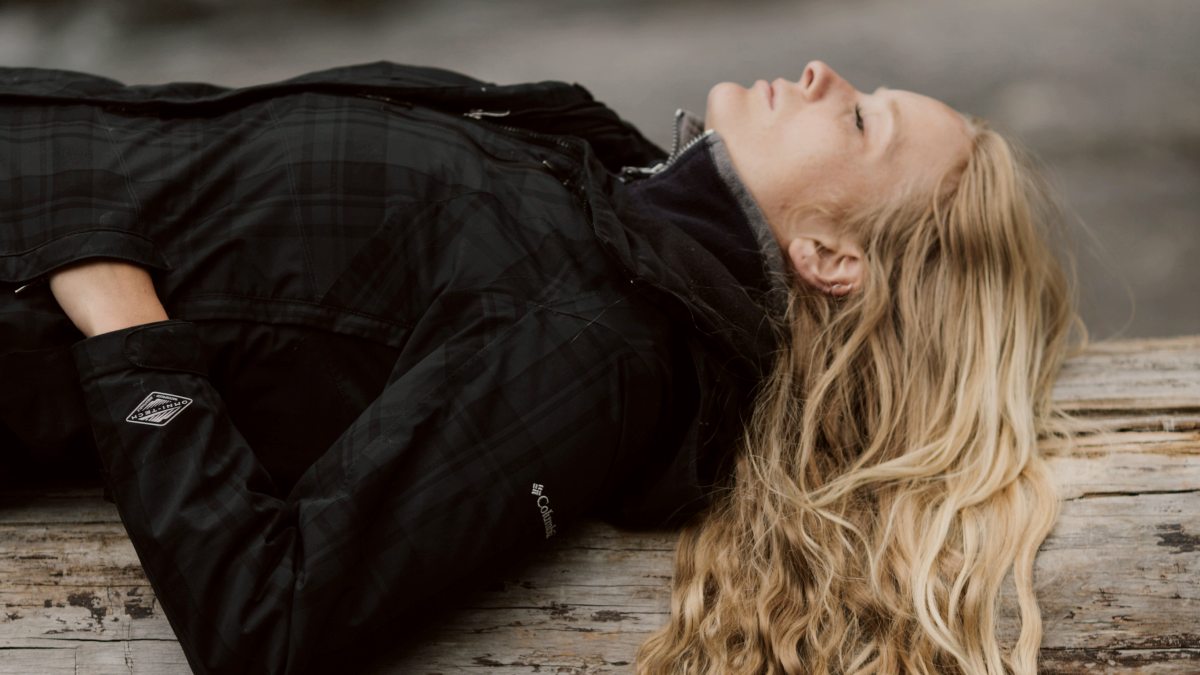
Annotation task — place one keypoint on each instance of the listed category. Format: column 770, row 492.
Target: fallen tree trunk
column 1118, row 579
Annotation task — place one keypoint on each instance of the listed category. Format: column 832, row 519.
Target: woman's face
column 821, row 141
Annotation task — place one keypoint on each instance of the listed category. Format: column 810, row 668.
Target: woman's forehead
column 935, row 136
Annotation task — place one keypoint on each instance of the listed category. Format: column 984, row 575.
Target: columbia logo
column 543, row 506
column 158, row 409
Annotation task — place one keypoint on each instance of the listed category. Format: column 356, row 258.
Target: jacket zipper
column 480, row 113
column 578, row 190
column 675, row 135
column 676, row 153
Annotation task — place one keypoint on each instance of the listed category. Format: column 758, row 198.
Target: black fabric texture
column 691, row 195
column 398, row 330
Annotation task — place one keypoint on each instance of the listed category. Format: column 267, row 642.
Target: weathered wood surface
column 1119, row 578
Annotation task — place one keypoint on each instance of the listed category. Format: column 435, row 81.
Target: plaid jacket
column 530, row 349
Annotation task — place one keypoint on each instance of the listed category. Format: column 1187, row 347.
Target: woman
column 579, row 321
column 890, row 476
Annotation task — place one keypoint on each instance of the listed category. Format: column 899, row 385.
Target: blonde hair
column 890, row 477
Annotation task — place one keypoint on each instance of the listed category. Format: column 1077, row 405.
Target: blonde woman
column 889, row 478
column 347, row 340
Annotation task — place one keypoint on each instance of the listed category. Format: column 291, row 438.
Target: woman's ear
column 833, row 266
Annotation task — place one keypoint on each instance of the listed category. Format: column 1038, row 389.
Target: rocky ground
column 1105, row 92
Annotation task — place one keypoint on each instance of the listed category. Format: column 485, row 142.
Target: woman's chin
column 724, row 99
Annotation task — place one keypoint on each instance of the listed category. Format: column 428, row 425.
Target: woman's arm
column 101, row 295
column 476, row 452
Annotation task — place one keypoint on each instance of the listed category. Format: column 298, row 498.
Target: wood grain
column 1118, row 579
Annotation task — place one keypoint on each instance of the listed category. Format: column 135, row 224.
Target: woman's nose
column 818, row 79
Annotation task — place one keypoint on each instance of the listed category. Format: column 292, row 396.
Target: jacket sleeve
column 458, row 463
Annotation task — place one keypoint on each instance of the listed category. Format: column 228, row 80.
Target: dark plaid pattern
column 533, row 348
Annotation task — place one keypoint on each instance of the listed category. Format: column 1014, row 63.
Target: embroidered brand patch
column 158, row 409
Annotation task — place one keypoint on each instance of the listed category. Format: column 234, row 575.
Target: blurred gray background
column 1105, row 92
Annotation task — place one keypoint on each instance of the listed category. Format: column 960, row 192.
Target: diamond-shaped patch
column 158, row 409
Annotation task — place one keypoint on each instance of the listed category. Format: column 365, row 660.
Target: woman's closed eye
column 858, row 118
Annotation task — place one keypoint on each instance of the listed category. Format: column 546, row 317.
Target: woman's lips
column 770, row 94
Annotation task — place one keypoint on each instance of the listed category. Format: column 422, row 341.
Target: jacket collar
column 690, row 142
column 654, row 227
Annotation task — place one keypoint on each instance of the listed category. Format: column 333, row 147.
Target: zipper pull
column 480, row 113
column 35, row 282
column 677, row 130
column 563, row 177
column 634, row 172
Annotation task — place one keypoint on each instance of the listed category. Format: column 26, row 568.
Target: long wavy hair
column 890, row 477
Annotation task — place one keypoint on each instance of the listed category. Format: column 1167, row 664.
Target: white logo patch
column 158, row 409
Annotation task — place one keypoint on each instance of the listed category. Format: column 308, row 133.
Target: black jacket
column 534, row 345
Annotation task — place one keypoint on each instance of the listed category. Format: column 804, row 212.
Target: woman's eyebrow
column 894, row 135
column 894, row 129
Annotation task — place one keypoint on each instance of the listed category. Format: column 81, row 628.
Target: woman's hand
column 100, row 296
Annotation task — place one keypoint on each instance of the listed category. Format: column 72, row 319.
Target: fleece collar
column 693, row 145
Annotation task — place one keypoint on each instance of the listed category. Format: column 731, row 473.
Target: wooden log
column 1118, row 579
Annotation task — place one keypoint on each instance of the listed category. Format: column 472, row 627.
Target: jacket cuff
column 171, row 344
